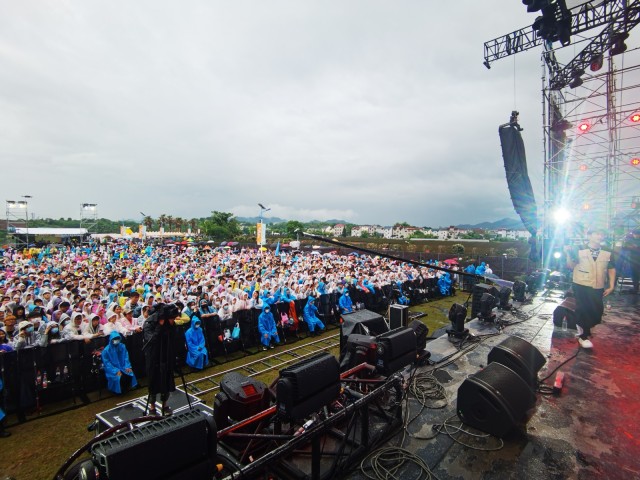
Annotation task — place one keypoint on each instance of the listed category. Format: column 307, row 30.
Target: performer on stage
column 592, row 266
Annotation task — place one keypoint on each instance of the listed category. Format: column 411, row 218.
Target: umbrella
column 263, row 249
column 451, row 261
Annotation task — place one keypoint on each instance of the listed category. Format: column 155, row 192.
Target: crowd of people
column 83, row 292
column 54, row 295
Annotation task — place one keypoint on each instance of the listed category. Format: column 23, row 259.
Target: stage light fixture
column 617, row 44
column 557, row 255
column 535, row 5
column 583, row 168
column 505, row 295
column 635, row 203
column 561, row 215
column 584, row 127
column 596, row 63
column 635, row 118
column 457, row 316
column 575, row 82
column 519, row 289
column 586, row 206
column 635, row 161
column 487, row 303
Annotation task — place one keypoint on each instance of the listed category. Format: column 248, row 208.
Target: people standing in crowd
column 594, row 276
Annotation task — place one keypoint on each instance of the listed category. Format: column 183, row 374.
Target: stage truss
column 592, row 148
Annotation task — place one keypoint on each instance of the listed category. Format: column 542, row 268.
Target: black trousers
column 589, row 307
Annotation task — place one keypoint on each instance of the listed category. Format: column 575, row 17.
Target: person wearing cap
column 128, row 322
column 592, row 267
column 26, row 335
column 117, row 367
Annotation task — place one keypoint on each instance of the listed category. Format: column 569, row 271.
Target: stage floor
column 591, row 430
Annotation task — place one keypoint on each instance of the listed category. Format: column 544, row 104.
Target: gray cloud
column 370, row 111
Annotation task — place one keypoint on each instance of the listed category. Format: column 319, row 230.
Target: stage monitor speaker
column 305, row 387
column 175, row 444
column 494, row 400
column 478, row 290
column 398, row 316
column 363, row 322
column 396, row 350
column 567, row 309
column 421, row 331
column 521, row 357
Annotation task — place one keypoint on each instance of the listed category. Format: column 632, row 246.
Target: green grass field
column 38, row 447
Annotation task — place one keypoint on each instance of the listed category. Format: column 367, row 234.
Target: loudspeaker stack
column 498, row 397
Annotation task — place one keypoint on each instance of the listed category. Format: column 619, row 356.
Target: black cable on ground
column 386, row 463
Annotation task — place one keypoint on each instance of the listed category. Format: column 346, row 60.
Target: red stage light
column 586, row 206
column 635, row 118
column 583, row 168
column 635, row 161
column 584, row 127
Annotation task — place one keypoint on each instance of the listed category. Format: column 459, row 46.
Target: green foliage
column 511, row 252
column 291, row 226
column 221, row 225
column 457, row 248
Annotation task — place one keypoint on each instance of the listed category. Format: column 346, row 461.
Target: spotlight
column 596, row 63
column 635, row 118
column 505, row 295
column 561, row 215
column 575, row 82
column 635, row 161
column 519, row 289
column 584, row 127
column 487, row 302
column 557, row 255
column 586, row 206
column 457, row 316
column 583, row 168
column 617, row 44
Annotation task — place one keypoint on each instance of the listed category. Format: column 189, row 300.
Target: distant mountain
column 508, row 223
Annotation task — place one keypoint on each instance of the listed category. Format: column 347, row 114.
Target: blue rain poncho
column 115, row 358
column 197, row 355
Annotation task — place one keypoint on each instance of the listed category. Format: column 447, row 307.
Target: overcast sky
column 367, row 111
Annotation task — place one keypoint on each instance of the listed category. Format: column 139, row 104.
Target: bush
column 511, row 253
column 457, row 248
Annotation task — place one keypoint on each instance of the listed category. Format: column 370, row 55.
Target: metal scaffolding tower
column 17, row 215
column 88, row 216
column 591, row 120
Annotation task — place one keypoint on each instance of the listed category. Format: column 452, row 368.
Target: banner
column 261, row 233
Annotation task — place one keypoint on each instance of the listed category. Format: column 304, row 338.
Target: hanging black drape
column 515, row 166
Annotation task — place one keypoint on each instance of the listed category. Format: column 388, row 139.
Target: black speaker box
column 567, row 309
column 304, row 388
column 398, row 316
column 494, row 400
column 175, row 444
column 476, row 296
column 396, row 349
column 521, row 357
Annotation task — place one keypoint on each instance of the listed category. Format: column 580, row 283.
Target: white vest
column 589, row 272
